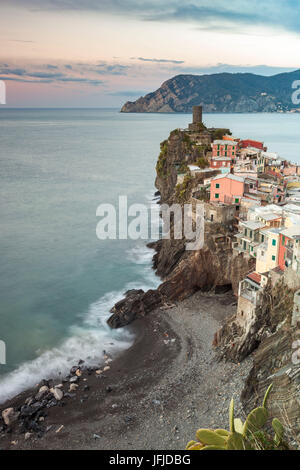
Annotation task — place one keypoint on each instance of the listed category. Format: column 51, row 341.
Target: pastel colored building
column 291, row 170
column 224, row 148
column 267, row 252
column 228, row 189
column 220, row 162
column 289, row 238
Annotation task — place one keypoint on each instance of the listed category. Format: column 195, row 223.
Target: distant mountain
column 222, row 92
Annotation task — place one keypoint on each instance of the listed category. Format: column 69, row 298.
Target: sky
column 101, row 53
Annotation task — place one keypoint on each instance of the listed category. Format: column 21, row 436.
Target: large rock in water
column 136, row 304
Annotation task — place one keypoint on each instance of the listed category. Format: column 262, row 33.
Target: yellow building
column 267, row 252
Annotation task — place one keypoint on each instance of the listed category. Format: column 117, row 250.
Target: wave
column 85, row 342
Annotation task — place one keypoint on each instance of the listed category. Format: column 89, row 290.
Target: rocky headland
column 223, row 92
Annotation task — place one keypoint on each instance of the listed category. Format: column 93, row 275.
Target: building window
column 217, row 185
column 273, row 257
column 274, row 242
column 217, row 195
column 283, row 240
column 250, row 233
column 262, row 238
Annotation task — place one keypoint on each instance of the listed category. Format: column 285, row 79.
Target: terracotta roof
column 255, row 277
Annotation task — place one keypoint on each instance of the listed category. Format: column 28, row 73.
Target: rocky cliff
column 224, row 92
column 183, row 272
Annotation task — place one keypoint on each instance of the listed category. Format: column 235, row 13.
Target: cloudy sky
column 104, row 52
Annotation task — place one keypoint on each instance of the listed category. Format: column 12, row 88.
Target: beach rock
column 10, row 416
column 73, row 387
column 51, row 403
column 57, row 393
column 29, row 401
column 42, row 392
column 74, row 379
column 136, row 304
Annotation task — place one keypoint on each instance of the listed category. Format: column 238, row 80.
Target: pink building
column 228, row 189
column 224, row 148
column 291, row 170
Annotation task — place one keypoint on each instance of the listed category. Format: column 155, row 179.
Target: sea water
column 58, row 281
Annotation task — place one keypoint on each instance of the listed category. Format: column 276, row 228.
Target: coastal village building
column 222, row 163
column 251, row 143
column 227, row 189
column 249, row 237
column 249, row 297
column 289, row 244
column 224, row 148
column 267, row 252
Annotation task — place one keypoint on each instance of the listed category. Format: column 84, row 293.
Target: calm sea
column 57, row 280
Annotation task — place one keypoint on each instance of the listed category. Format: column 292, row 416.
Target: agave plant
column 249, row 435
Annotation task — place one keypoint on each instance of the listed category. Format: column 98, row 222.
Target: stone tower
column 197, row 125
column 197, row 114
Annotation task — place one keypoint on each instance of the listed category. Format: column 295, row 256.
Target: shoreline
column 155, row 394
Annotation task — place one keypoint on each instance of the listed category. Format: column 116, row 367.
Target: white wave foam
column 85, row 342
column 88, row 341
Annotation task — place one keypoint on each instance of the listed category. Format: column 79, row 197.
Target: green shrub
column 202, row 162
column 182, row 191
column 162, row 159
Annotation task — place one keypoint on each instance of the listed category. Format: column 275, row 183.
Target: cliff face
column 277, row 361
column 241, row 335
column 224, row 92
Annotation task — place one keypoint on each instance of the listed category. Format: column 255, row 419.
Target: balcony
column 251, row 295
